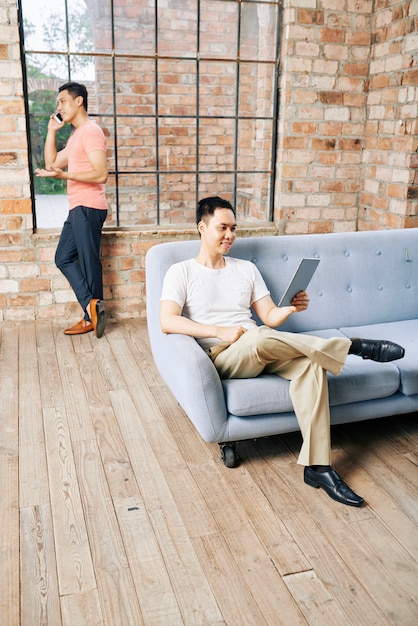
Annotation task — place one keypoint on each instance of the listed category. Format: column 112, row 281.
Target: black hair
column 75, row 90
column 207, row 206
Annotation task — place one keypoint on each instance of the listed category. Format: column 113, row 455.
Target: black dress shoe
column 376, row 349
column 333, row 485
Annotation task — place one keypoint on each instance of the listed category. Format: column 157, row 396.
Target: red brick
column 410, row 222
column 331, row 97
column 11, row 239
column 295, row 142
column 306, row 16
column 410, row 77
column 35, row 285
column 356, row 69
column 14, row 223
column 294, row 171
column 320, row 227
column 8, row 158
column 362, row 38
column 329, row 129
column 379, row 81
column 21, row 300
column 331, row 34
column 305, row 128
column 396, row 191
column 350, row 144
column 15, row 207
column 333, row 185
column 323, row 144
column 328, row 158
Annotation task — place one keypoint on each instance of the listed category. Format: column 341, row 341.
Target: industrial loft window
column 185, row 91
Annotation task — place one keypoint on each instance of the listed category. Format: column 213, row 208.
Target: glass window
column 186, row 94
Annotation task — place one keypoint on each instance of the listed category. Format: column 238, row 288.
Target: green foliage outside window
column 42, row 102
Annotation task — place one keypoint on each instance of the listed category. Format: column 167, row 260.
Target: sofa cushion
column 255, row 396
column 359, row 380
column 406, row 334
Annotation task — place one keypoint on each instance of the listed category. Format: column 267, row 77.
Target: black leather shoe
column 376, row 349
column 335, row 487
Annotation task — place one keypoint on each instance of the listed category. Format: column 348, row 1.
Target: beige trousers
column 301, row 359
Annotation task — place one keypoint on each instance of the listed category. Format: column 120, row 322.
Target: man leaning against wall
column 82, row 163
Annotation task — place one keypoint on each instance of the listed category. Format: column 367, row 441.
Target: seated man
column 211, row 297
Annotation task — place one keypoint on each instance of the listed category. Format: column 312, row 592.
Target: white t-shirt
column 216, row 297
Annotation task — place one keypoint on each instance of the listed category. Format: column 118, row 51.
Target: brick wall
column 390, row 167
column 348, row 129
column 347, row 155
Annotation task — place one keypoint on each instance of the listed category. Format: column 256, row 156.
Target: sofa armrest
column 192, row 378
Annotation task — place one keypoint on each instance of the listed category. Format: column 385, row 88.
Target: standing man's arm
column 97, row 174
column 51, row 156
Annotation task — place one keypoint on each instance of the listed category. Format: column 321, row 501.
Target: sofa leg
column 228, row 454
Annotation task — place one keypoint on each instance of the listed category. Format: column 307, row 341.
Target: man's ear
column 201, row 226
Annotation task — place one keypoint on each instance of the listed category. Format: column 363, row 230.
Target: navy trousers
column 78, row 253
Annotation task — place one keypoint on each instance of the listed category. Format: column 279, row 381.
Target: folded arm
column 172, row 321
column 55, row 162
column 97, row 174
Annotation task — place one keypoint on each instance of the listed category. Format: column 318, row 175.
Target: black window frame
column 198, row 58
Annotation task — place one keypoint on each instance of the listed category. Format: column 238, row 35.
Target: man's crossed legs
column 304, row 361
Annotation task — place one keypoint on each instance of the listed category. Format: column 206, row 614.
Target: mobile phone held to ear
column 58, row 118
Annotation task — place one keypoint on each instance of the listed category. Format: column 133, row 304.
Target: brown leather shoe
column 83, row 326
column 98, row 316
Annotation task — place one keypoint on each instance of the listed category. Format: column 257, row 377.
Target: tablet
column 300, row 280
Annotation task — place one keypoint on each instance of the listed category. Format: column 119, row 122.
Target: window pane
column 253, row 197
column 256, row 78
column 177, row 198
column 103, row 87
column 176, row 87
column 44, row 25
column 135, row 79
column 136, row 144
column 83, row 70
column 134, row 27
column 107, row 125
column 47, row 66
column 177, row 30
column 254, row 144
column 217, row 88
column 258, row 31
column 217, row 184
column 100, row 13
column 137, row 200
column 80, row 31
column 177, row 144
column 216, row 144
column 219, row 29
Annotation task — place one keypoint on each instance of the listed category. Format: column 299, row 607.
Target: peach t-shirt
column 86, row 138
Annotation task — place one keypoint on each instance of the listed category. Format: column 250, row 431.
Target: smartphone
column 58, row 118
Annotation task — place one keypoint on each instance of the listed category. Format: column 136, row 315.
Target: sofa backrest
column 363, row 277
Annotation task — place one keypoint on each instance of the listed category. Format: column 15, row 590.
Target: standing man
column 83, row 164
column 210, row 298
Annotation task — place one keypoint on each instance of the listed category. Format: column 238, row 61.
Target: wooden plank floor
column 115, row 511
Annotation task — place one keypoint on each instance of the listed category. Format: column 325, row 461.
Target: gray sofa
column 366, row 285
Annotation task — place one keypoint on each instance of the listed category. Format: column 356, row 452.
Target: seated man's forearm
column 183, row 326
